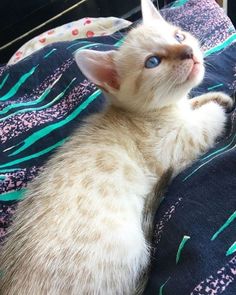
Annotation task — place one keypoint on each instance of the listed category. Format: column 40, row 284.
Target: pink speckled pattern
column 217, row 282
column 18, row 180
column 212, row 32
column 160, row 226
column 6, row 216
column 26, row 121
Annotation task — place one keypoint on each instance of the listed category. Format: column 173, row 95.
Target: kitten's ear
column 98, row 66
column 149, row 12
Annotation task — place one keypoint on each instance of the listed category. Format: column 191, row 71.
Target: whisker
column 209, row 65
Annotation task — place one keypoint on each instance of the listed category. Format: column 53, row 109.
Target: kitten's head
column 157, row 64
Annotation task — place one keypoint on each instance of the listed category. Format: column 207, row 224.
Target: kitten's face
column 157, row 64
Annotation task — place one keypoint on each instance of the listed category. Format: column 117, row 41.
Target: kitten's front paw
column 219, row 97
column 223, row 99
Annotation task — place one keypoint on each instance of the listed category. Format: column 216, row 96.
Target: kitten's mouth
column 195, row 70
column 192, row 71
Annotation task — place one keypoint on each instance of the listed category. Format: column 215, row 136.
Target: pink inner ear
column 149, row 12
column 108, row 75
column 98, row 67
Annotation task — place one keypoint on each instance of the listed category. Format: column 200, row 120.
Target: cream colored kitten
column 79, row 229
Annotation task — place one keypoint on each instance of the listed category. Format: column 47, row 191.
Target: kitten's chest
column 162, row 149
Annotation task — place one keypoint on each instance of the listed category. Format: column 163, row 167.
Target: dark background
column 22, row 20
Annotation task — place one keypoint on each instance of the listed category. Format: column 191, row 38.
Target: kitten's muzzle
column 186, row 53
column 179, row 52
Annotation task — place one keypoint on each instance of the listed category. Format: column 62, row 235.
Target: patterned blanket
column 44, row 97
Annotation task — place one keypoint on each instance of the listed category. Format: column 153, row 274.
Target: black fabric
column 198, row 204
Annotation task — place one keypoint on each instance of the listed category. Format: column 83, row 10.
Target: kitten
column 79, row 229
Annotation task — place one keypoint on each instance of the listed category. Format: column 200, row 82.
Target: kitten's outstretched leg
column 209, row 112
column 221, row 98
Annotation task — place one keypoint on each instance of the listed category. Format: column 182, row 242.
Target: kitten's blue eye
column 179, row 37
column 152, row 62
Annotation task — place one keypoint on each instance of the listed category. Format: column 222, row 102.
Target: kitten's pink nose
column 186, row 52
